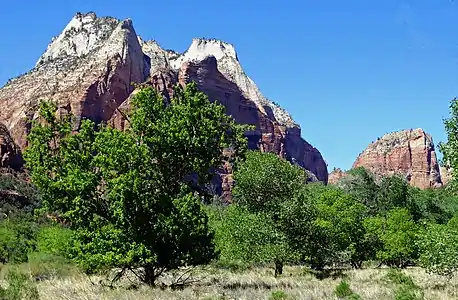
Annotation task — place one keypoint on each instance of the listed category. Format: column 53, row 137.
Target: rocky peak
column 410, row 153
column 230, row 67
column 83, row 34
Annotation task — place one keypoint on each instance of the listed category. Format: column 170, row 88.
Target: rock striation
column 90, row 68
column 409, row 153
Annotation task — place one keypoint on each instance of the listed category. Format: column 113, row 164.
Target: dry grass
column 252, row 284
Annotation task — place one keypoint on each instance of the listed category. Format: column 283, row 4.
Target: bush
column 280, row 295
column 19, row 287
column 17, row 239
column 44, row 266
column 344, row 291
column 55, row 240
column 406, row 289
column 396, row 235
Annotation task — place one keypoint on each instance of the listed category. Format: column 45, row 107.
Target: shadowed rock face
column 409, row 153
column 10, row 155
column 89, row 70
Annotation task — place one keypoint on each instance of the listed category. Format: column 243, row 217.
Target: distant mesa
column 409, row 153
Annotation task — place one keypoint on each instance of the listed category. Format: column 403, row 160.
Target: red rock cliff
column 89, row 70
column 410, row 153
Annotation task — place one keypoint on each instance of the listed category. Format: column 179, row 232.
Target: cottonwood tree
column 128, row 194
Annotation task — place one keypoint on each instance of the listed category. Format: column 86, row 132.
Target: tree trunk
column 150, row 275
column 278, row 267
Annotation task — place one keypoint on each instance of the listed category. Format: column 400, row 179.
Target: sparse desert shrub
column 280, row 295
column 20, row 286
column 406, row 289
column 343, row 291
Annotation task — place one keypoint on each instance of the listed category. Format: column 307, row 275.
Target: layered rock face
column 10, row 154
column 409, row 153
column 89, row 70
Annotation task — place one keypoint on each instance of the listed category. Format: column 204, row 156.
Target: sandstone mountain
column 88, row 70
column 410, row 153
column 336, row 175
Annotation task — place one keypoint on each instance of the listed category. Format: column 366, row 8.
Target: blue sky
column 348, row 71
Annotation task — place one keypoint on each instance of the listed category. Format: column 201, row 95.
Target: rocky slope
column 335, row 175
column 410, row 153
column 90, row 67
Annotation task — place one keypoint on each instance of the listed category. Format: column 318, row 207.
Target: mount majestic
column 89, row 70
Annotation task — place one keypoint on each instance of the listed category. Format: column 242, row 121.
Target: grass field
column 295, row 283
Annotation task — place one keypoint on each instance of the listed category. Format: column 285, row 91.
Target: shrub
column 280, row 295
column 344, row 291
column 17, row 239
column 19, row 287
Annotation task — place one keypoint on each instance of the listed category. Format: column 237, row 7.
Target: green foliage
column 133, row 197
column 19, row 287
column 264, row 181
column 343, row 291
column 393, row 192
column 17, row 239
column 360, row 183
column 406, row 289
column 54, row 240
column 280, row 295
column 324, row 225
column 245, row 237
column 438, row 248
column 449, row 148
column 17, row 196
column 396, row 233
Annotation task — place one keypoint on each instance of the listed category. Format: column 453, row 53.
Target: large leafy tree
column 132, row 197
column 449, row 148
column 325, row 226
column 361, row 184
column 248, row 237
column 438, row 248
column 395, row 233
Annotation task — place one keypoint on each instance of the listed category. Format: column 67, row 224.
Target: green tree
column 264, row 181
column 132, row 197
column 438, row 248
column 360, row 183
column 325, row 226
column 392, row 192
column 449, row 148
column 245, row 237
column 396, row 235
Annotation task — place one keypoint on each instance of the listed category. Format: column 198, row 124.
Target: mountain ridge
column 89, row 69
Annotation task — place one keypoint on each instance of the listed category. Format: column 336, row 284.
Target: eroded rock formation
column 90, row 68
column 409, row 153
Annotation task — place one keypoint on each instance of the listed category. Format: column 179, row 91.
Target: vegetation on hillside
column 134, row 202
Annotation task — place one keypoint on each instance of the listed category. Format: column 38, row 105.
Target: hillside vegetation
column 113, row 214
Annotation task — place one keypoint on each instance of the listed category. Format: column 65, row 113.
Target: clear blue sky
column 348, row 71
